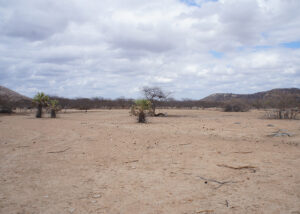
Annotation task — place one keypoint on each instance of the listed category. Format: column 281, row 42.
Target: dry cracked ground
column 192, row 161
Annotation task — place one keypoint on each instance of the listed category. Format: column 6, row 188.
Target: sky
column 113, row 48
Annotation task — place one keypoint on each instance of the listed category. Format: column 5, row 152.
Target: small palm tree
column 54, row 108
column 142, row 105
column 41, row 100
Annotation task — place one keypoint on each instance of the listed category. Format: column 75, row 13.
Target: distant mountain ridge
column 12, row 98
column 265, row 95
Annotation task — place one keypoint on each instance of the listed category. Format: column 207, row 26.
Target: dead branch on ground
column 221, row 183
column 131, row 161
column 205, row 211
column 61, row 150
column 252, row 168
column 243, row 152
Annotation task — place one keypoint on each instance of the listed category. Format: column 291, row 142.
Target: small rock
column 281, row 133
column 97, row 196
column 270, row 125
column 237, row 123
column 71, row 210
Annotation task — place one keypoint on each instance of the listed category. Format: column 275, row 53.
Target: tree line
column 161, row 99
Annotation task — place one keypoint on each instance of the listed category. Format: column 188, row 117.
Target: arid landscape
column 150, row 107
column 192, row 161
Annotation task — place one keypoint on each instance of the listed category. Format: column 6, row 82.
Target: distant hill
column 10, row 98
column 260, row 96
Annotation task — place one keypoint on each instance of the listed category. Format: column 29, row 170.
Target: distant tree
column 54, row 107
column 235, row 106
column 154, row 95
column 41, row 100
column 5, row 106
column 142, row 106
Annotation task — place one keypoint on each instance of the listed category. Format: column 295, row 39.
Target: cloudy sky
column 112, row 48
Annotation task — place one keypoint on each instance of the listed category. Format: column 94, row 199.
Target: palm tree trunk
column 142, row 117
column 53, row 113
column 39, row 111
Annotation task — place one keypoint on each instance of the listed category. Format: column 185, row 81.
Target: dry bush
column 290, row 114
column 5, row 106
column 155, row 95
column 236, row 107
column 134, row 110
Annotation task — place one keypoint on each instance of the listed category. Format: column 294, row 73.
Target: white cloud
column 112, row 48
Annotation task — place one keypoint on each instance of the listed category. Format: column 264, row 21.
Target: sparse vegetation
column 5, row 107
column 40, row 100
column 54, row 107
column 154, row 95
column 142, row 106
column 290, row 113
column 236, row 107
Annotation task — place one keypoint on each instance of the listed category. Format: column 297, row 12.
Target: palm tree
column 41, row 100
column 142, row 105
column 54, row 108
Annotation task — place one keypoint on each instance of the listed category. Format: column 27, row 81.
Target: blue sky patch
column 194, row 3
column 216, row 54
column 294, row 45
column 189, row 2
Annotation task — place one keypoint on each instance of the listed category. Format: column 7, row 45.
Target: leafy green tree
column 142, row 106
column 40, row 100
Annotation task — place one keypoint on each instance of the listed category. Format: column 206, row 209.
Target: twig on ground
column 22, row 147
column 243, row 152
column 183, row 144
column 221, row 183
column 252, row 168
column 61, row 150
column 205, row 211
column 226, row 202
column 131, row 161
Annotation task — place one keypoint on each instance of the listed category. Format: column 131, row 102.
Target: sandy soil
column 188, row 162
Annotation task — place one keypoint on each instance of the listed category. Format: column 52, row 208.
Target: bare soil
column 192, row 161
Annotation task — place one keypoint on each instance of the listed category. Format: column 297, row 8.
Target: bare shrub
column 134, row 110
column 154, row 95
column 290, row 113
column 236, row 107
column 5, row 106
